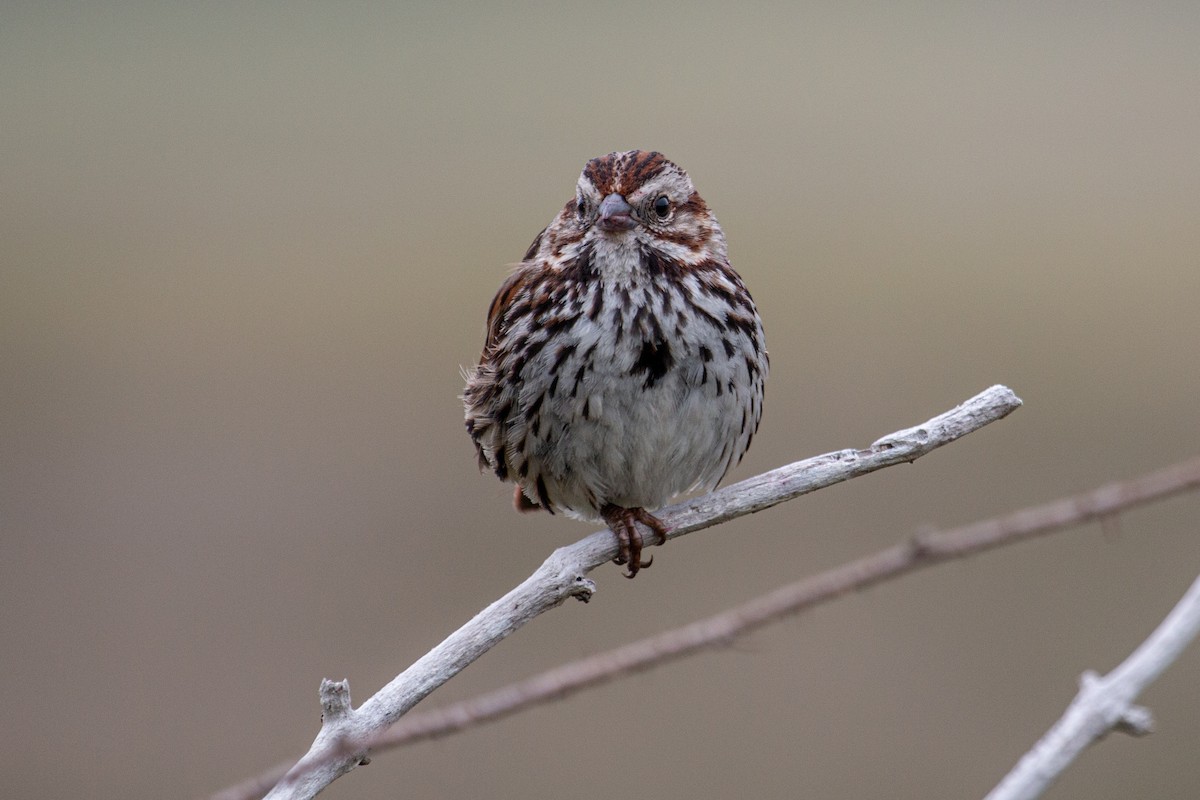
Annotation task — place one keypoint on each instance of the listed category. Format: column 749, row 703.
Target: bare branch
column 1104, row 703
column 1100, row 504
column 719, row 630
column 337, row 748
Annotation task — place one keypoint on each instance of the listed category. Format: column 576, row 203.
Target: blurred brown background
column 246, row 249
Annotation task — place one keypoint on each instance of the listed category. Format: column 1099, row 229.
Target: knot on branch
column 908, row 437
column 921, row 544
column 561, row 572
column 1111, row 713
column 1137, row 721
column 335, row 699
column 582, row 588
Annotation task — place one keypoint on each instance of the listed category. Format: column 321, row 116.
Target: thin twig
column 338, row 747
column 1104, row 704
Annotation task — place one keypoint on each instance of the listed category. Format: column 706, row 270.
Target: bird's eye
column 662, row 206
column 581, row 208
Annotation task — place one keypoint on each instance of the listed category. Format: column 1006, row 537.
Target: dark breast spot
column 655, row 360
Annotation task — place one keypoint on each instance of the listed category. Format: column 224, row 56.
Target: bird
column 624, row 361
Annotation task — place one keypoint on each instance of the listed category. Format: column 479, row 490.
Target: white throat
column 617, row 258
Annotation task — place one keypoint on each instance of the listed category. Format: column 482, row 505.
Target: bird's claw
column 622, row 522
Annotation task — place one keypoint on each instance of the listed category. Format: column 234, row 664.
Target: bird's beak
column 615, row 214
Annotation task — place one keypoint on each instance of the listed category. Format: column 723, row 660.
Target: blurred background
column 246, row 249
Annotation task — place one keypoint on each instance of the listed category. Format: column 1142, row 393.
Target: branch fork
column 1104, row 703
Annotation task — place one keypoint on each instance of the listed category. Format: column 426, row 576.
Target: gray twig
column 1103, row 704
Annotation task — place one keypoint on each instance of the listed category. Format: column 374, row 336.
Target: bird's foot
column 621, row 521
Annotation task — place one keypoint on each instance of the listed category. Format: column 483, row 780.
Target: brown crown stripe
column 624, row 172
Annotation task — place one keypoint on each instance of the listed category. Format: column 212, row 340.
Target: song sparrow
column 624, row 360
